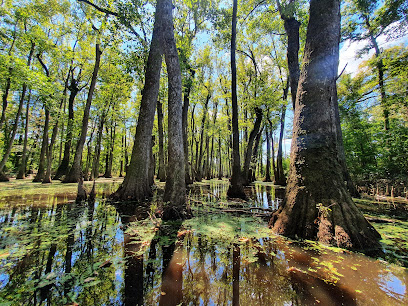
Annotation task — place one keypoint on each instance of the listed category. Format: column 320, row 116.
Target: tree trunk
column 44, row 147
column 47, row 177
column 135, row 185
column 280, row 178
column 22, row 168
column 268, row 157
column 75, row 171
column 161, row 175
column 13, row 135
column 317, row 204
column 250, row 145
column 291, row 26
column 199, row 158
column 109, row 153
column 255, row 157
column 219, row 157
column 4, row 98
column 95, row 164
column 236, row 189
column 152, row 165
column 380, row 68
column 64, row 166
column 175, row 191
column 186, row 104
column 15, row 125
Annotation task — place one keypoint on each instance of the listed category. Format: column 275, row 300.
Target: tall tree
column 236, row 189
column 317, row 204
column 136, row 185
column 175, row 190
column 74, row 173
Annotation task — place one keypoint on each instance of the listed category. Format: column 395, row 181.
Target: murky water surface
column 56, row 252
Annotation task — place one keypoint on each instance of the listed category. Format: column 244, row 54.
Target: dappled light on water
column 53, row 251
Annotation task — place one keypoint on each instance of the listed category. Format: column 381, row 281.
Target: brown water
column 56, row 252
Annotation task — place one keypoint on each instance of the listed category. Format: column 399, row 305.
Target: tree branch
column 101, row 9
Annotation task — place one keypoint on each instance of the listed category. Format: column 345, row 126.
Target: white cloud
column 349, row 50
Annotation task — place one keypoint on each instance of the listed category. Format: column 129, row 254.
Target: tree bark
column 175, row 190
column 49, row 152
column 15, row 125
column 13, row 135
column 250, row 145
column 44, row 147
column 161, row 175
column 199, row 158
column 135, row 185
column 268, row 157
column 95, row 164
column 255, row 156
column 64, row 166
column 4, row 98
column 109, row 153
column 75, row 171
column 280, row 178
column 22, row 168
column 317, row 203
column 236, row 189
column 186, row 105
column 292, row 31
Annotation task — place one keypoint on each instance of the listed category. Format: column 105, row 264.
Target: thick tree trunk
column 64, row 166
column 75, row 171
column 236, row 189
column 152, row 165
column 317, row 204
column 250, row 145
column 175, row 191
column 135, row 185
column 268, row 157
column 161, row 175
column 22, row 168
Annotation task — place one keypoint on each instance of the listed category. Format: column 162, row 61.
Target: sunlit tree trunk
column 135, row 185
column 15, row 125
column 236, row 189
column 175, row 190
column 317, row 203
column 22, row 168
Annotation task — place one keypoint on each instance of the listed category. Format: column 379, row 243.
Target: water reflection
column 55, row 252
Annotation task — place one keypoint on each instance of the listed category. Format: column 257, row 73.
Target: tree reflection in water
column 59, row 252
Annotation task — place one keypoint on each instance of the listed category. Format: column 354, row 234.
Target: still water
column 56, row 252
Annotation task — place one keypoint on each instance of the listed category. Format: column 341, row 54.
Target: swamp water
column 56, row 252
